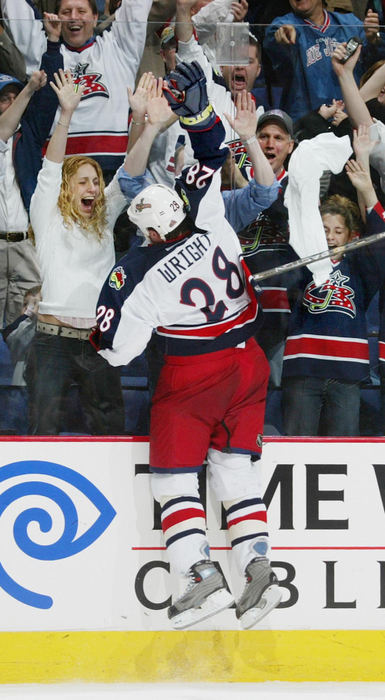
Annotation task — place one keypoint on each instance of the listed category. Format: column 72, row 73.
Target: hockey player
column 191, row 284
column 267, row 236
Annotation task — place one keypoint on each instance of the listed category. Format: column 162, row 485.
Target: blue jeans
column 309, row 402
column 54, row 363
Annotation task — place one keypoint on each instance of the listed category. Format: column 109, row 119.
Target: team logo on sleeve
column 117, row 278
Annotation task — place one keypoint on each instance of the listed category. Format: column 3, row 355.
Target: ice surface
column 196, row 691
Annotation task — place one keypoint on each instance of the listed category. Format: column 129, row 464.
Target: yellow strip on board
column 223, row 656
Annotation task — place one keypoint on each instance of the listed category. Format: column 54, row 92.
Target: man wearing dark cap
column 276, row 137
column 265, row 241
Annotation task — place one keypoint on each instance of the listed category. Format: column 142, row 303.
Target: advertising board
column 82, row 547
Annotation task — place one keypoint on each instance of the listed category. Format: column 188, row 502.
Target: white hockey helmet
column 158, row 207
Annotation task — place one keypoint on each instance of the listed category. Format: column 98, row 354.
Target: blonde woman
column 72, row 216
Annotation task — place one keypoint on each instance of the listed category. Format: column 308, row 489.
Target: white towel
column 377, row 156
column 307, row 163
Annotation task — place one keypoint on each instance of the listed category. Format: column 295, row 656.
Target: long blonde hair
column 96, row 224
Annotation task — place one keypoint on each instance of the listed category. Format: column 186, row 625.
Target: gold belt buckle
column 12, row 236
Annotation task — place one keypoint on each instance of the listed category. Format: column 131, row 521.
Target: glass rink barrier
column 319, row 324
column 191, row 242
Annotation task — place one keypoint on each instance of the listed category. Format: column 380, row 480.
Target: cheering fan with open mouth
column 72, row 217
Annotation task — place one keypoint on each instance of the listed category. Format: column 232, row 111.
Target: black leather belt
column 13, row 236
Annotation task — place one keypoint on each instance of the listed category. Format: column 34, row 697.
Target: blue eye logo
column 67, row 544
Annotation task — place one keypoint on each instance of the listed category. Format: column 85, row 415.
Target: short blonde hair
column 97, row 222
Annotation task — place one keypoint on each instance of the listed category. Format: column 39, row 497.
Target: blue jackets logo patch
column 90, row 81
column 334, row 295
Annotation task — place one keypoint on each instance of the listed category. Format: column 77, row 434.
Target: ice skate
column 206, row 595
column 260, row 595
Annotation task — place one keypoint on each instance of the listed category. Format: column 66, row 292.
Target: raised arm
column 129, row 31
column 35, row 126
column 183, row 23
column 52, row 26
column 138, row 106
column 200, row 184
column 245, row 124
column 206, row 19
column 69, row 96
column 189, row 49
column 10, row 119
column 158, row 115
column 279, row 40
column 354, row 104
column 374, row 85
column 358, row 170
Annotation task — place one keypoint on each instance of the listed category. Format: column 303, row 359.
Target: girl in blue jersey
column 327, row 355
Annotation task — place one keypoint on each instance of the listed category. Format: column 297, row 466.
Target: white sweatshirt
column 73, row 262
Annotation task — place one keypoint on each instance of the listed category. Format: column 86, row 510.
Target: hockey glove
column 187, row 95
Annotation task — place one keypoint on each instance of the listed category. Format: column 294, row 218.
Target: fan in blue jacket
column 300, row 45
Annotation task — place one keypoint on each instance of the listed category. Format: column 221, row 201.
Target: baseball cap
column 167, row 35
column 6, row 80
column 277, row 116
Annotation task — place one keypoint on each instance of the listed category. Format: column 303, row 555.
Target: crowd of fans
column 318, row 115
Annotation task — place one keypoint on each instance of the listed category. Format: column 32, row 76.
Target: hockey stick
column 280, row 269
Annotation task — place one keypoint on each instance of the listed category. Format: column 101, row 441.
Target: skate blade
column 269, row 600
column 217, row 601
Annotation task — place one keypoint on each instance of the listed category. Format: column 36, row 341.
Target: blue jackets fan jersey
column 105, row 66
column 377, row 223
column 328, row 334
column 306, row 66
column 265, row 244
column 196, row 292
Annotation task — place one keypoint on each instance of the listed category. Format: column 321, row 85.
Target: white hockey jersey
column 196, row 292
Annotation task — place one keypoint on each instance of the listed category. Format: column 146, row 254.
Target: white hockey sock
column 184, row 529
column 247, row 525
